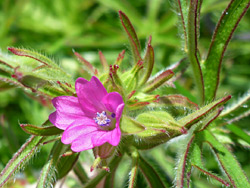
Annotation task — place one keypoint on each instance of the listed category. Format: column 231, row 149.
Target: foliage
column 192, row 116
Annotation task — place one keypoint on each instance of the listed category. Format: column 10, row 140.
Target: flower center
column 102, row 118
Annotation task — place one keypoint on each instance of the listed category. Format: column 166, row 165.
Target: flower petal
column 82, row 144
column 78, row 129
column 118, row 114
column 96, row 138
column 112, row 101
column 90, row 94
column 67, row 111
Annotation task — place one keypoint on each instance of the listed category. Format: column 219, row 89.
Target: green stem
column 80, row 172
column 133, row 172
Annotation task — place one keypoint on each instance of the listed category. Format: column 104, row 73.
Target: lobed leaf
column 20, row 158
column 196, row 158
column 226, row 160
column 220, row 40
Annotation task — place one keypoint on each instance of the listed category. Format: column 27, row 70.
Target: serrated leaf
column 221, row 37
column 133, row 39
column 196, row 116
column 18, row 161
column 226, row 160
column 40, row 131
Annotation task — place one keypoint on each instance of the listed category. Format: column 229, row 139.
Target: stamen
column 102, row 119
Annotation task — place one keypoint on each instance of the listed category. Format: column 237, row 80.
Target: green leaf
column 239, row 132
column 65, row 164
column 221, row 37
column 133, row 39
column 80, row 172
column 19, row 160
column 196, row 116
column 192, row 34
column 41, row 131
column 48, row 174
column 196, row 157
column 226, row 160
column 151, row 175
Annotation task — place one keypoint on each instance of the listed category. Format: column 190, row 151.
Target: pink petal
column 82, row 144
column 67, row 111
column 112, row 101
column 90, row 94
column 118, row 114
column 78, row 129
column 96, row 138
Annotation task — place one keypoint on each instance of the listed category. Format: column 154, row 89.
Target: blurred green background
column 87, row 26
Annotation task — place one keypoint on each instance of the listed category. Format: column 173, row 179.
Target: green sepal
column 41, row 131
column 158, row 81
column 159, row 127
column 129, row 126
column 148, row 64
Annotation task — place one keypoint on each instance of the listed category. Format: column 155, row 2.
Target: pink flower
column 90, row 119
